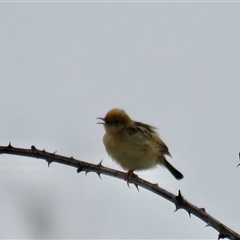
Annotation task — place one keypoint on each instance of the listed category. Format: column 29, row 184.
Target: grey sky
column 172, row 65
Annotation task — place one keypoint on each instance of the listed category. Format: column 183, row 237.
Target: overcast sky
column 171, row 65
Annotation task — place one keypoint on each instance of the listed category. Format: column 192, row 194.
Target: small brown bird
column 134, row 145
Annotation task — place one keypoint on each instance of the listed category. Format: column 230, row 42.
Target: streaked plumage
column 134, row 145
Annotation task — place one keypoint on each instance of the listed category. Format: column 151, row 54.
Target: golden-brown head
column 115, row 120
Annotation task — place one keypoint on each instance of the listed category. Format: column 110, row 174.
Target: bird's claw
column 130, row 175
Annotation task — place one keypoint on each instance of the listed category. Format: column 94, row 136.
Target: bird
column 134, row 145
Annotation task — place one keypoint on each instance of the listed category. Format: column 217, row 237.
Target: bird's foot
column 130, row 175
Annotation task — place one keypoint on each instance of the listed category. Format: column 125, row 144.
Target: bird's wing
column 148, row 132
column 145, row 130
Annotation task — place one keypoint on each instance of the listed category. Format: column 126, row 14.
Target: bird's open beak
column 101, row 119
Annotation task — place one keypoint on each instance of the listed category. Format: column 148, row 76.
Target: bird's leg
column 129, row 175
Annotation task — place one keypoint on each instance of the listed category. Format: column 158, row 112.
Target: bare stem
column 178, row 200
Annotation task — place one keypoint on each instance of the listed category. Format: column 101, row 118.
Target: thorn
column 44, row 150
column 177, row 208
column 136, row 185
column 33, row 148
column 54, row 152
column 208, row 224
column 9, row 145
column 100, row 164
column 70, row 157
column 86, row 172
column 179, row 197
column 189, row 213
column 202, row 209
column 239, row 159
column 222, row 235
column 49, row 162
column 79, row 169
column 128, row 184
column 99, row 174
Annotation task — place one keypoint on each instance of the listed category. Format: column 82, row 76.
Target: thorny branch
column 178, row 200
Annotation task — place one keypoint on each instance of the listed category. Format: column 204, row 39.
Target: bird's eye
column 117, row 121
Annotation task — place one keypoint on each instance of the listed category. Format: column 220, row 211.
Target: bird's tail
column 173, row 170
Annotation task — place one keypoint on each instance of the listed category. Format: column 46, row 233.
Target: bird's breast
column 130, row 153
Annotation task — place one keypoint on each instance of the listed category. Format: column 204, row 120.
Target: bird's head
column 115, row 120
